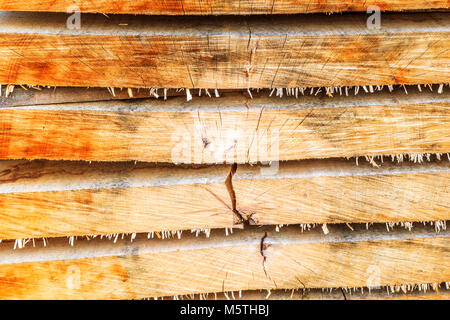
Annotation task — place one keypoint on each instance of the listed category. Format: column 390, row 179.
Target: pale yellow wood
column 226, row 52
column 342, row 192
column 176, row 267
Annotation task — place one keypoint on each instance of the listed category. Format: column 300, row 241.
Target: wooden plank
column 54, row 199
column 217, row 7
column 229, row 129
column 340, row 192
column 227, row 53
column 289, row 259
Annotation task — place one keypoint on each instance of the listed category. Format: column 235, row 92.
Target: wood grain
column 227, row 53
column 104, row 270
column 217, row 7
column 229, row 129
column 340, row 192
column 54, row 199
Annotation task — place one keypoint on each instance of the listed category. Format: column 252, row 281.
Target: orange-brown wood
column 232, row 128
column 216, row 7
column 228, row 53
column 289, row 259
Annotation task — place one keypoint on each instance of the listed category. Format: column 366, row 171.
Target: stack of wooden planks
column 224, row 149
